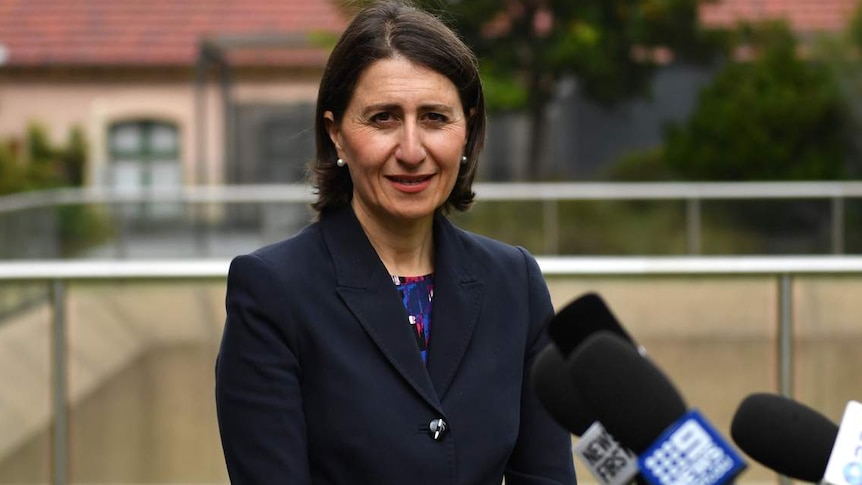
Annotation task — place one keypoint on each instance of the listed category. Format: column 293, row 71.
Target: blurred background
column 172, row 133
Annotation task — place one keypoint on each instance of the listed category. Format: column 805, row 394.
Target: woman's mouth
column 409, row 179
column 409, row 183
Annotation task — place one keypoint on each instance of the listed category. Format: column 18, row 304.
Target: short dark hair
column 384, row 30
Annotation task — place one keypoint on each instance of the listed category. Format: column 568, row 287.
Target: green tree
column 611, row 47
column 840, row 52
column 12, row 176
column 775, row 117
column 41, row 159
column 73, row 158
column 35, row 163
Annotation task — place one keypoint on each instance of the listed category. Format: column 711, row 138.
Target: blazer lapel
column 458, row 297
column 367, row 289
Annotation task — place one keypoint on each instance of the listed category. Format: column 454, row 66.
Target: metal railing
column 59, row 274
column 550, row 194
column 784, row 268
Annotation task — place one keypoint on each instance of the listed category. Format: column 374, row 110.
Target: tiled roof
column 805, row 16
column 167, row 32
column 150, row 32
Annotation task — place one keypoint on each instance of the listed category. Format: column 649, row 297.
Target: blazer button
column 437, row 428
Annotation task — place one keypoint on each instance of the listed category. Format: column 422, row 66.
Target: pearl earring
column 463, row 159
column 340, row 162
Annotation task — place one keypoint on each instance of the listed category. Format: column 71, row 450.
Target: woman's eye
column 381, row 117
column 436, row 117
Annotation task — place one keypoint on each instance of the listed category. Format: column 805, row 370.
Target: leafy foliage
column 640, row 166
column 770, row 115
column 606, row 44
column 854, row 29
column 776, row 117
column 35, row 163
column 840, row 53
column 11, row 173
column 611, row 47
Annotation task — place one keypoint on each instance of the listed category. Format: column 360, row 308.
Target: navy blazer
column 319, row 378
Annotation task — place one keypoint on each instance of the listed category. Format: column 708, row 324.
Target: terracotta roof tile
column 152, row 32
column 804, row 16
column 167, row 32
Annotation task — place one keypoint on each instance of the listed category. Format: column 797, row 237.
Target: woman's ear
column 332, row 129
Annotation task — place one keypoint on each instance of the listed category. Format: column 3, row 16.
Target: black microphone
column 555, row 391
column 581, row 318
column 784, row 435
column 568, row 328
column 606, row 460
column 642, row 409
column 632, row 397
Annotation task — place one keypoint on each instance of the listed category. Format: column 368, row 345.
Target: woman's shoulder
column 291, row 251
column 498, row 264
column 483, row 247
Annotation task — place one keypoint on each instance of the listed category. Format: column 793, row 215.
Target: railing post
column 837, row 225
column 692, row 218
column 785, row 335
column 60, row 443
column 120, row 212
column 551, row 220
column 785, row 344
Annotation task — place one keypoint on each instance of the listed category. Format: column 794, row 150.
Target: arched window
column 145, row 154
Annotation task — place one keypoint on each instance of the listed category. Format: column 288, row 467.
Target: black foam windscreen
column 581, row 318
column 784, row 435
column 555, row 391
column 631, row 396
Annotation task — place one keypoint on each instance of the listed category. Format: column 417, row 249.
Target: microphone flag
column 608, row 461
column 845, row 461
column 690, row 452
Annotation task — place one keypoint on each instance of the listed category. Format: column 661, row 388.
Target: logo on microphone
column 608, row 461
column 691, row 452
column 853, row 470
column 845, row 460
column 853, row 473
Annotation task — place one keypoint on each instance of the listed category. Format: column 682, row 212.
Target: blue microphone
column 642, row 409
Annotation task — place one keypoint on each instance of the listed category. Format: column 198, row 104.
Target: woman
column 381, row 344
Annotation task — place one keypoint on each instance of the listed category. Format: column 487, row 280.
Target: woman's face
column 402, row 137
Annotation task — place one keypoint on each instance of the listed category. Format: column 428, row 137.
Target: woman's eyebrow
column 381, row 107
column 397, row 107
column 438, row 107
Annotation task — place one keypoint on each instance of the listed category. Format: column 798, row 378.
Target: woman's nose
column 411, row 148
